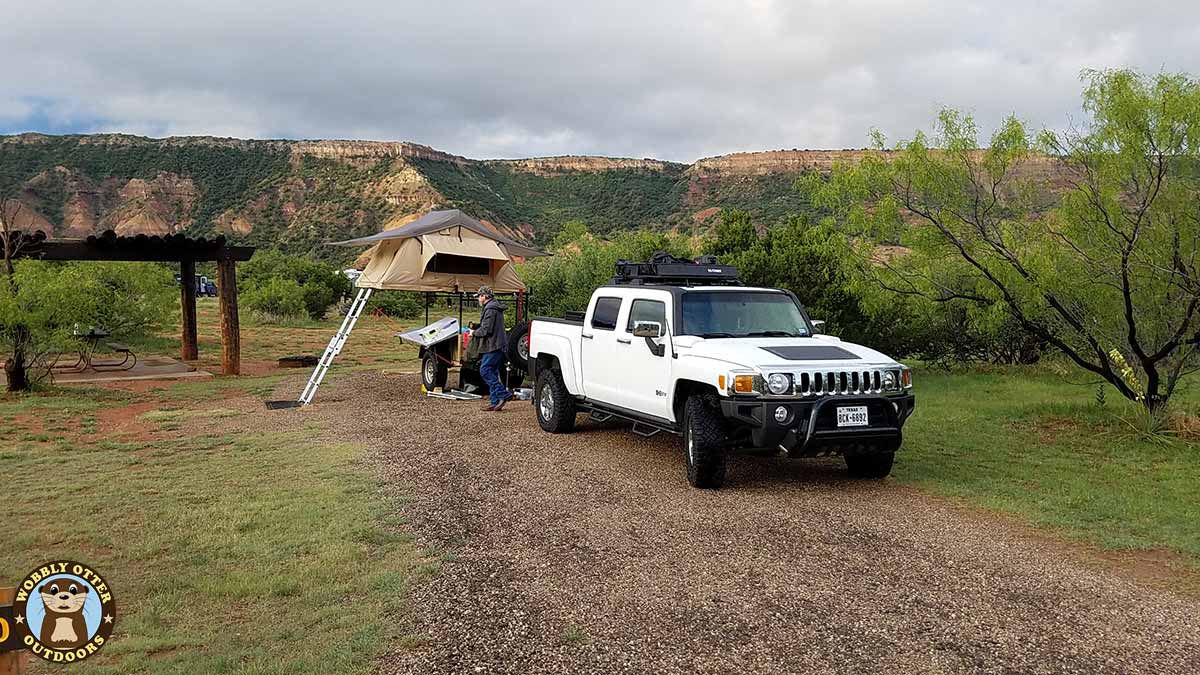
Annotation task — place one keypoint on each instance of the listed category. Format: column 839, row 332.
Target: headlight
column 906, row 378
column 890, row 380
column 779, row 383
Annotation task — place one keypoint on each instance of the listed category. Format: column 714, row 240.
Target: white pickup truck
column 682, row 347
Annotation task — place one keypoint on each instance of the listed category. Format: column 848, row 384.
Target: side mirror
column 647, row 329
column 818, row 326
column 650, row 330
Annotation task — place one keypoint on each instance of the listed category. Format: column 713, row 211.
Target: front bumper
column 811, row 429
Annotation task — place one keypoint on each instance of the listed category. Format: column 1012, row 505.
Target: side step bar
column 642, row 426
column 645, row 430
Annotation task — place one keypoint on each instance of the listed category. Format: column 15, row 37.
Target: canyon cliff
column 299, row 194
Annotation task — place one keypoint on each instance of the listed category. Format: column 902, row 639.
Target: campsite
column 678, row 337
column 480, row 542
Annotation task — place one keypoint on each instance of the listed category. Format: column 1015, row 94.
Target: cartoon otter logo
column 65, row 611
column 63, row 626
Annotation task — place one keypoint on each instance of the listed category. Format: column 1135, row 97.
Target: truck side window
column 647, row 310
column 605, row 315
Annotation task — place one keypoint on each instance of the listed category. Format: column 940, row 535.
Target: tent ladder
column 335, row 346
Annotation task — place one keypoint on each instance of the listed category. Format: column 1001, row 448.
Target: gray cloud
column 675, row 80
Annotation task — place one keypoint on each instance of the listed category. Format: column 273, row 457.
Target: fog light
column 781, row 414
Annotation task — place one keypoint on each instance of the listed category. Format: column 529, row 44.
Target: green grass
column 248, row 553
column 1028, row 444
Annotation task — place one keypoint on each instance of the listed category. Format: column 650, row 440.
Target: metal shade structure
column 442, row 251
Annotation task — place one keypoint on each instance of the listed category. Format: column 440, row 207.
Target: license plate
column 852, row 416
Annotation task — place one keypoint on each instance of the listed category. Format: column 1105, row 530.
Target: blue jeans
column 489, row 369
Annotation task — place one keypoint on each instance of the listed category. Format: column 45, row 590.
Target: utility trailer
column 444, row 346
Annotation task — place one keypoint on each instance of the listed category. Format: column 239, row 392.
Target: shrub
column 398, row 304
column 276, row 299
column 581, row 262
column 809, row 260
column 320, row 286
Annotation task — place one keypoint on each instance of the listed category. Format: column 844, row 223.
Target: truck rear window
column 604, row 317
column 742, row 314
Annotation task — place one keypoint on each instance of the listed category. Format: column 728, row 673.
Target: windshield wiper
column 772, row 333
column 717, row 335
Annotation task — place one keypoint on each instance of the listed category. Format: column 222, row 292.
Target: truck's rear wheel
column 433, row 371
column 703, row 444
column 555, row 406
column 877, row 465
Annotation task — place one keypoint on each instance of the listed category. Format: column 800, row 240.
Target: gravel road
column 589, row 552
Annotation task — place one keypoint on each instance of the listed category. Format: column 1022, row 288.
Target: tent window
column 447, row 263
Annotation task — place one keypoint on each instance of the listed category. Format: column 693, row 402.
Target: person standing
column 494, row 340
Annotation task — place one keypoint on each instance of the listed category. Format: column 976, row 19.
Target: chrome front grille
column 833, row 382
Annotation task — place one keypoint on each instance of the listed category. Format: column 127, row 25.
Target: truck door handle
column 586, row 336
column 625, row 341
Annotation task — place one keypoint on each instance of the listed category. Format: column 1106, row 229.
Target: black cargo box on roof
column 667, row 269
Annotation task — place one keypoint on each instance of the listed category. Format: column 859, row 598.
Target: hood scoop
column 811, row 353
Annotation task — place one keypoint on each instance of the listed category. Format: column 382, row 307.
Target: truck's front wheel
column 703, row 444
column 877, row 465
column 555, row 406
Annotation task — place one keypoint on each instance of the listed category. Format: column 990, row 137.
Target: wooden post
column 189, row 351
column 10, row 662
column 231, row 347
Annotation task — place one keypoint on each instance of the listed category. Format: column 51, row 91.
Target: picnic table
column 89, row 341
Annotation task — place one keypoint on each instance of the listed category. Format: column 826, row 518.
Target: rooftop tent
column 442, row 251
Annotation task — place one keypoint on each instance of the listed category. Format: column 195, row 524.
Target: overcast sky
column 673, row 80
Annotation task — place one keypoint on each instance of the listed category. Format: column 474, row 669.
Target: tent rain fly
column 442, row 251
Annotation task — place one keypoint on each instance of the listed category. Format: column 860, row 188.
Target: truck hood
column 782, row 353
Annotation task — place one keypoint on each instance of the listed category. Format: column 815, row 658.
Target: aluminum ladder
column 335, row 346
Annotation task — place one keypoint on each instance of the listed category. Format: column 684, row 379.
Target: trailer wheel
column 433, row 371
column 518, row 346
column 554, row 404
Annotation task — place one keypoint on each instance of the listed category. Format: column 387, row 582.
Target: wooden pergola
column 175, row 248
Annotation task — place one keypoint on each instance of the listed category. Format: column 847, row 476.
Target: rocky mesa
column 299, row 194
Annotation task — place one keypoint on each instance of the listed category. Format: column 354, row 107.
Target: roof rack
column 666, row 269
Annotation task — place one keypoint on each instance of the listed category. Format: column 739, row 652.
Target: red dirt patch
column 124, row 423
column 257, row 368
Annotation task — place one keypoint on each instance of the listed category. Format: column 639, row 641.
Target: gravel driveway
column 589, row 552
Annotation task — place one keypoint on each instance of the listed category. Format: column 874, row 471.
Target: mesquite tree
column 1088, row 238
column 15, row 332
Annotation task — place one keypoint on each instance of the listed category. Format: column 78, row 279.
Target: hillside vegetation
column 298, row 195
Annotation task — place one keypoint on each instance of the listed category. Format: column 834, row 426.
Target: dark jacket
column 491, row 332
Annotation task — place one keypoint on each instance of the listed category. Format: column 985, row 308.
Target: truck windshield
column 742, row 314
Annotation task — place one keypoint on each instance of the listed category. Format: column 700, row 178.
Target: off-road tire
column 433, row 371
column 874, row 466
column 518, row 346
column 704, row 443
column 554, row 404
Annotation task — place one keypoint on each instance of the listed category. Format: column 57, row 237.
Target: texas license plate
column 852, row 416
